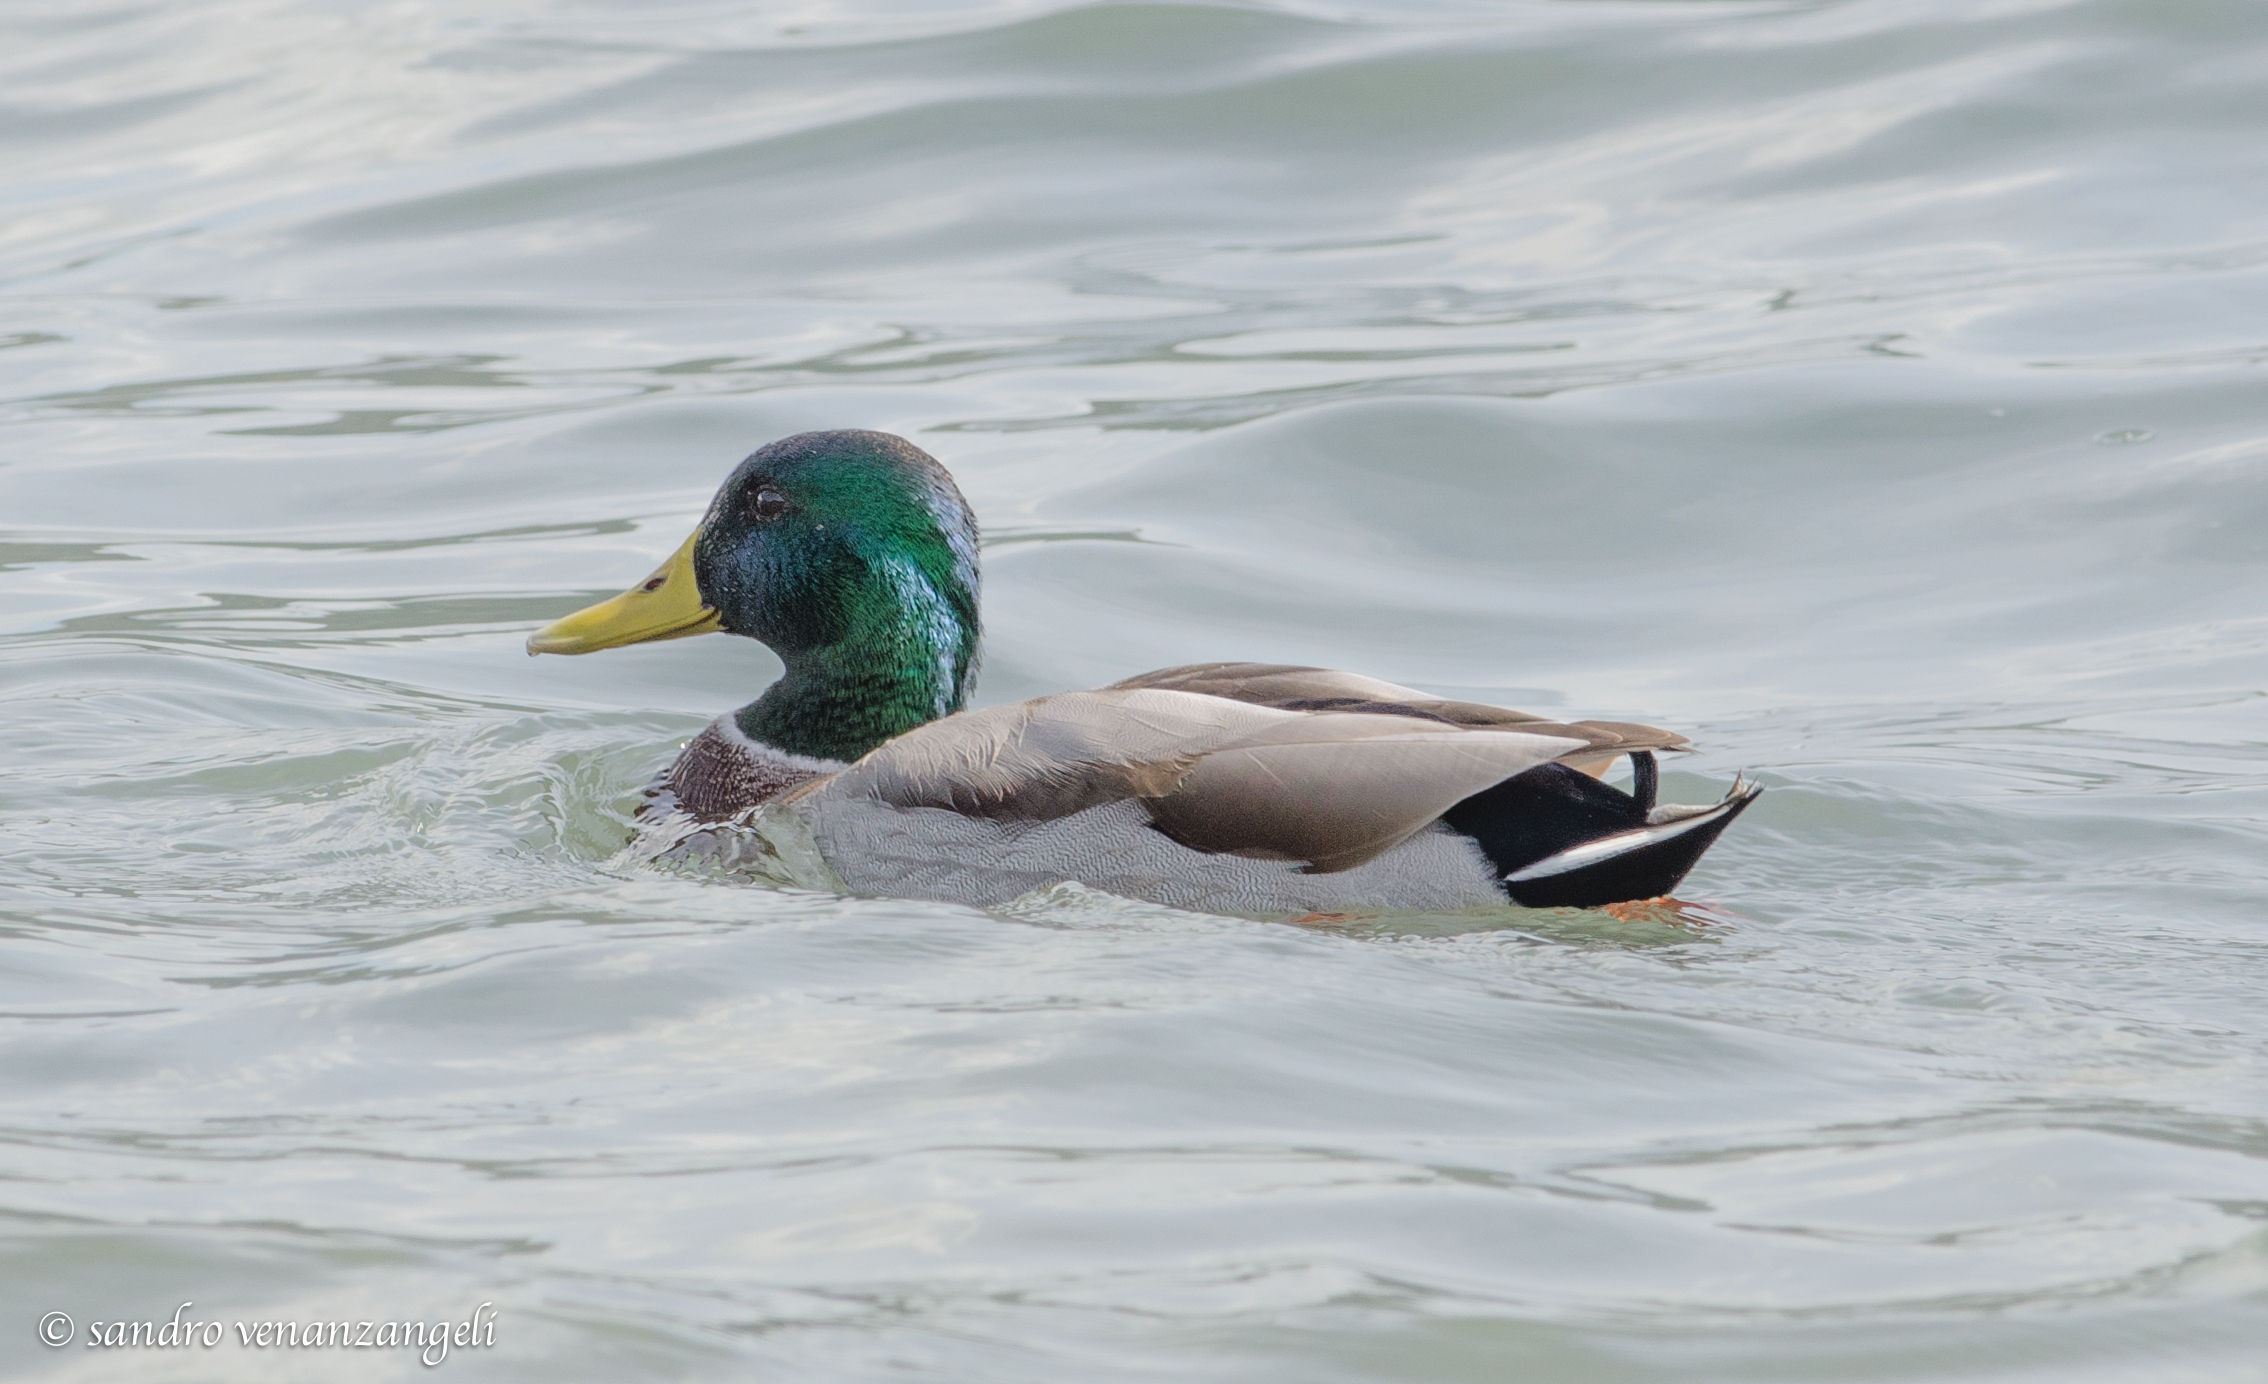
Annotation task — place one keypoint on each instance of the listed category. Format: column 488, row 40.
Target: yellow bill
column 666, row 605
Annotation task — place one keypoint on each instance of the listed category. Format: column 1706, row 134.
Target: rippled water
column 1870, row 387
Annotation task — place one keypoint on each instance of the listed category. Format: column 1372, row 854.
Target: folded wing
column 1294, row 688
column 1327, row 787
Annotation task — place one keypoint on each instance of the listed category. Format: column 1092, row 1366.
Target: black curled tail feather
column 1531, row 825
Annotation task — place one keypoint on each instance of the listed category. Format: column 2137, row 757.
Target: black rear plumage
column 1524, row 821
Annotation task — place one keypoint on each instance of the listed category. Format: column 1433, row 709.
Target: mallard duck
column 1231, row 787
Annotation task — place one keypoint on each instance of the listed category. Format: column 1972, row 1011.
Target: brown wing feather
column 1272, row 684
column 1335, row 791
column 1052, row 756
column 1294, row 688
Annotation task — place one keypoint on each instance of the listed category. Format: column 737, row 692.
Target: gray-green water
column 1872, row 388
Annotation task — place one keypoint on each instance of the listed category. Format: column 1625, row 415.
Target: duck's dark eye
column 767, row 503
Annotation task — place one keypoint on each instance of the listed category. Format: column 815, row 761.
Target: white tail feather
column 1621, row 843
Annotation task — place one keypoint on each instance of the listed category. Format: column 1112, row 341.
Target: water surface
column 1871, row 388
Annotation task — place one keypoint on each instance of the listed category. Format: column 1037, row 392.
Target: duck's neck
column 907, row 667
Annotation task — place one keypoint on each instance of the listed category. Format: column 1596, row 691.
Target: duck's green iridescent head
column 853, row 555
